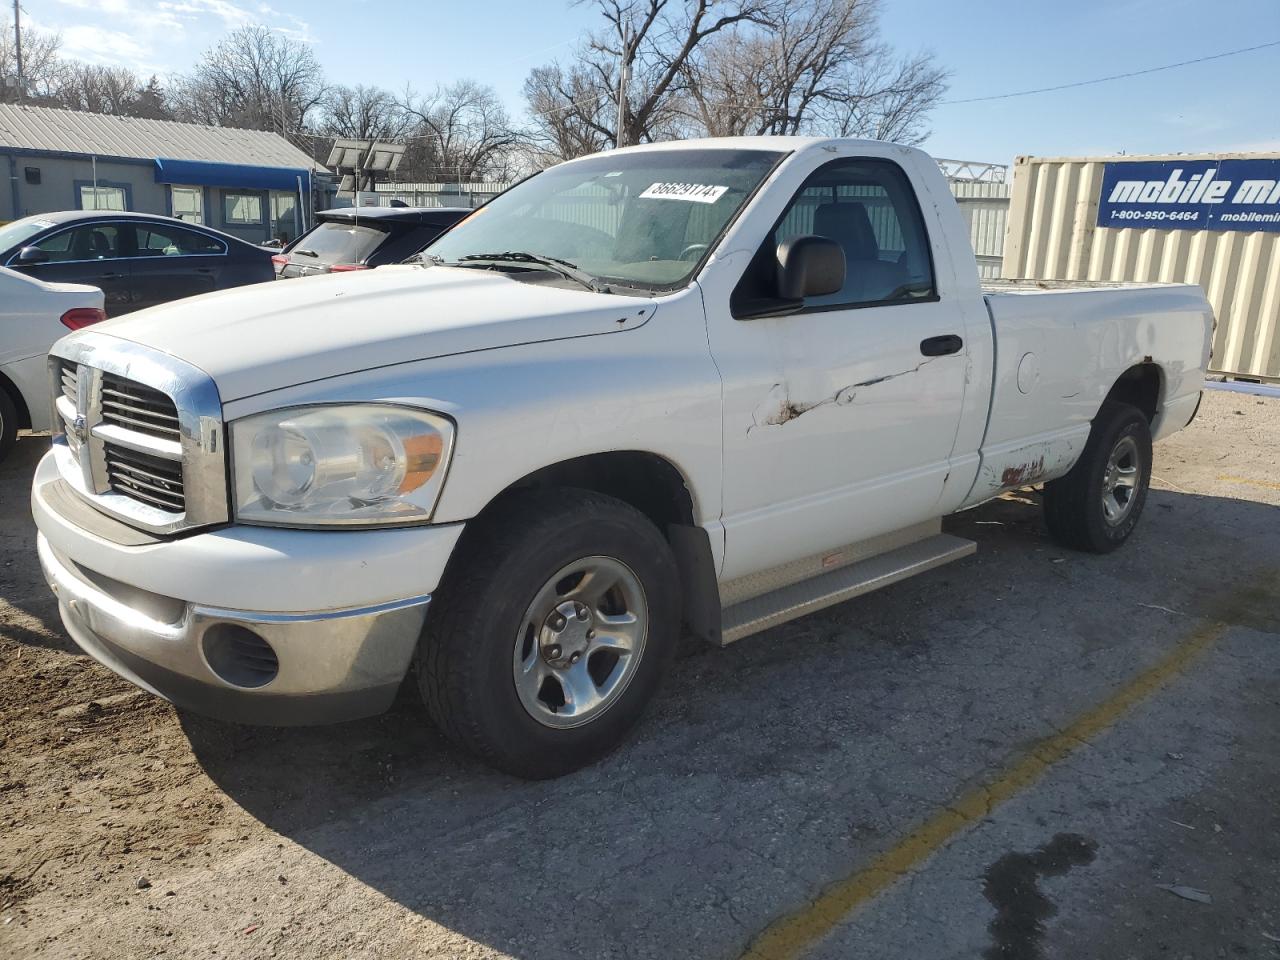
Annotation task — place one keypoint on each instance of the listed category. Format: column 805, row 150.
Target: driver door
column 840, row 419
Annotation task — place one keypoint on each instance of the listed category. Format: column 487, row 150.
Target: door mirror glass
column 31, row 255
column 809, row 266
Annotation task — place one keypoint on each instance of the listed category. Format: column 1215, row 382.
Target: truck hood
column 280, row 333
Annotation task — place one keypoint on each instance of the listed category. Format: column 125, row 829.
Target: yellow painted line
column 1268, row 484
column 789, row 936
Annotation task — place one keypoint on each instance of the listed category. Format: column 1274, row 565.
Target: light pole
column 17, row 48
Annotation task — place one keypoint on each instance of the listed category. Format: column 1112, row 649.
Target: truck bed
column 1061, row 346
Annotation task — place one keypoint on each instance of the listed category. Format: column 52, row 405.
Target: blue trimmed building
column 250, row 183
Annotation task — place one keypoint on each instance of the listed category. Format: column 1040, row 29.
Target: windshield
column 642, row 219
column 20, row 231
column 338, row 243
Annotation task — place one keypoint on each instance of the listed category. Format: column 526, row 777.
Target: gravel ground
column 766, row 774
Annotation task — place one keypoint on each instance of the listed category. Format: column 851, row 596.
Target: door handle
column 941, row 346
column 110, row 276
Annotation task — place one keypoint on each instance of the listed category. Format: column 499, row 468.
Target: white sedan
column 33, row 314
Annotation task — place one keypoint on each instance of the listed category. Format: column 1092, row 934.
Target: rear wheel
column 551, row 633
column 1096, row 506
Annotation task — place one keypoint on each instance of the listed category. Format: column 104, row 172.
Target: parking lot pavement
column 1010, row 757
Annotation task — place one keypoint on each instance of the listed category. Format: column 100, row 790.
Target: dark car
column 357, row 238
column 137, row 259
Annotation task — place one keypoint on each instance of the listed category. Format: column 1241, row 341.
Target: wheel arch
column 11, row 389
column 657, row 488
column 1141, row 386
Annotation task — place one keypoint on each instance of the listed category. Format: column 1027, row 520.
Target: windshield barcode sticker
column 695, row 192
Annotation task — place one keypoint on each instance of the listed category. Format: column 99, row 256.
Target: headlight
column 358, row 465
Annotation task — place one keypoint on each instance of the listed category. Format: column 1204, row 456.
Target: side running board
column 826, row 590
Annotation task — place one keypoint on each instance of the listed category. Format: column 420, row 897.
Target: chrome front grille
column 135, row 406
column 146, row 477
column 139, row 433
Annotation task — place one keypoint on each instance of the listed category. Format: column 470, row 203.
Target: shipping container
column 1054, row 234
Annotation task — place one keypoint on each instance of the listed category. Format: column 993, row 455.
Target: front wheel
column 552, row 632
column 1096, row 506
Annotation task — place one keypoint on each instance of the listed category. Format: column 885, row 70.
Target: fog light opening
column 239, row 656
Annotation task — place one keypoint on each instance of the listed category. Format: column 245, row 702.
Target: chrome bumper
column 247, row 667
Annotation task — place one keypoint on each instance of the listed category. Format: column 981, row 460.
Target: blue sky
column 991, row 48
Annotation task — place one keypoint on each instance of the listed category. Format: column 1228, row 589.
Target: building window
column 188, row 203
column 102, row 198
column 242, row 208
column 284, row 216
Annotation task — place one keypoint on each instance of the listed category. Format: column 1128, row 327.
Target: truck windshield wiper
column 554, row 264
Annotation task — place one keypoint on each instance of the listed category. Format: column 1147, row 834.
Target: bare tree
column 769, row 81
column 653, row 41
column 701, row 67
column 97, row 88
column 460, row 131
column 888, row 99
column 569, row 110
column 40, row 64
column 819, row 69
column 363, row 113
column 255, row 78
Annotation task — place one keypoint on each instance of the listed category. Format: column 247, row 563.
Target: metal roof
column 73, row 131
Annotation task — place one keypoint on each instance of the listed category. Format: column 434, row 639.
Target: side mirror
column 28, row 255
column 809, row 266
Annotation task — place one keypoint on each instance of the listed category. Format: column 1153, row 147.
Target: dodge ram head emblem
column 79, row 428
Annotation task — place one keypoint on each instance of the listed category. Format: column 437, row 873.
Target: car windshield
column 644, row 219
column 338, row 243
column 20, row 231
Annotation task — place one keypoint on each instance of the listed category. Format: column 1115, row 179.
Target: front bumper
column 186, row 618
column 337, row 665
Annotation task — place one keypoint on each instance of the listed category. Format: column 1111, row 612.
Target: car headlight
column 355, row 465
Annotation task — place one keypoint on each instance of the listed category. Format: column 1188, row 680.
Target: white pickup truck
column 695, row 387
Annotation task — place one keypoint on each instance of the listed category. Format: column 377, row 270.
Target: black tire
column 465, row 657
column 8, row 423
column 1075, row 506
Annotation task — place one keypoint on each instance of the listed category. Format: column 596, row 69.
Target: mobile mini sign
column 1192, row 195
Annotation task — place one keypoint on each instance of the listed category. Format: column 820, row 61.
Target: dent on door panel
column 778, row 408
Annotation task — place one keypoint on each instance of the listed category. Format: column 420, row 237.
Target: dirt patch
column 98, row 782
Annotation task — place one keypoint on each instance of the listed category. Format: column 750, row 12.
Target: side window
column 188, row 203
column 94, row 241
column 869, row 208
column 166, row 241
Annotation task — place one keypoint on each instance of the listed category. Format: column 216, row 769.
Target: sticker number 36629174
column 695, row 192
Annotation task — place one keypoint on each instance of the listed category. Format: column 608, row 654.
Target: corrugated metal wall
column 985, row 207
column 1053, row 235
